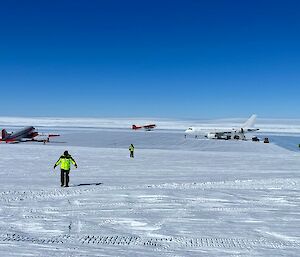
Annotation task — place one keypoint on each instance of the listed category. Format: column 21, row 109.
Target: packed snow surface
column 178, row 197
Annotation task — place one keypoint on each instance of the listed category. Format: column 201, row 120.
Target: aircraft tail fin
column 4, row 133
column 250, row 122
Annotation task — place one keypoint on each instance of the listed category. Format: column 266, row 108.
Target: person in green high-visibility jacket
column 65, row 162
column 131, row 151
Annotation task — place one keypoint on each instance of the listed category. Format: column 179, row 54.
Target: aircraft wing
column 150, row 126
column 222, row 132
column 53, row 135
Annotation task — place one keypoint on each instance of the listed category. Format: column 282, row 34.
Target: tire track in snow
column 162, row 242
column 15, row 196
column 255, row 184
column 275, row 184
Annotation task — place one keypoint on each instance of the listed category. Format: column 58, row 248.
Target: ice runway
column 178, row 197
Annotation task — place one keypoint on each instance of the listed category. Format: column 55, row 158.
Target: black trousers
column 131, row 154
column 64, row 177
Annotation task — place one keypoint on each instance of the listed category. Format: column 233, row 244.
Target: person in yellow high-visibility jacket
column 65, row 165
column 131, row 151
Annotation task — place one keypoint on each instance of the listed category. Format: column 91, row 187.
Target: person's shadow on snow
column 87, row 184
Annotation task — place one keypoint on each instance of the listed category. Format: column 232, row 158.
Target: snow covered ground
column 177, row 197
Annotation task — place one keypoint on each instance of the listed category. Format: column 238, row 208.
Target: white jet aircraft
column 235, row 133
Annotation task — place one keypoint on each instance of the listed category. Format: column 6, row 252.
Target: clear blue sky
column 150, row 58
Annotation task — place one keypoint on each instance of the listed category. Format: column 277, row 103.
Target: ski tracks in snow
column 157, row 242
column 160, row 243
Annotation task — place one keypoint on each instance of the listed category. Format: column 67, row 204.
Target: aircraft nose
column 189, row 130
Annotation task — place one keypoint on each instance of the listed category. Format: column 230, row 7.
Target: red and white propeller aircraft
column 146, row 127
column 24, row 135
